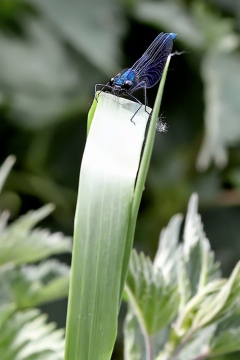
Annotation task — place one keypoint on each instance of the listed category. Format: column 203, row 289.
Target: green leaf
column 197, row 256
column 46, row 80
column 27, row 336
column 154, row 302
column 134, row 346
column 105, row 220
column 218, row 304
column 90, row 19
column 221, row 76
column 227, row 335
column 159, row 13
column 167, row 253
column 19, row 244
column 29, row 286
column 5, row 169
column 107, row 179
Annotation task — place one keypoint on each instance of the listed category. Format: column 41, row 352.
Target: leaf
column 5, row 169
column 134, row 346
column 87, row 26
column 105, row 220
column 153, row 301
column 218, row 304
column 19, row 244
column 221, row 76
column 106, row 187
column 159, row 13
column 30, row 286
column 134, row 342
column 167, row 253
column 198, row 346
column 27, row 336
column 227, row 335
column 198, row 258
column 46, row 80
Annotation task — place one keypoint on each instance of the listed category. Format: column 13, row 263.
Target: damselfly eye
column 127, row 84
column 111, row 81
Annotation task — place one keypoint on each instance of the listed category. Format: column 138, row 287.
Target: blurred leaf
column 198, row 258
column 5, row 169
column 20, row 244
column 93, row 28
column 134, row 345
column 153, row 301
column 197, row 348
column 228, row 341
column 227, row 335
column 28, row 221
column 218, row 31
column 30, row 286
column 44, row 188
column 27, row 336
column 167, row 253
column 219, row 304
column 184, row 24
column 221, row 75
column 45, row 83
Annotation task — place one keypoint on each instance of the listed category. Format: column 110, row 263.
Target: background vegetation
column 51, row 55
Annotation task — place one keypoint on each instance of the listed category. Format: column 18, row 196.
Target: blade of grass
column 107, row 178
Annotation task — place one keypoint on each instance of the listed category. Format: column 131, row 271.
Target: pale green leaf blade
column 5, row 169
column 107, row 178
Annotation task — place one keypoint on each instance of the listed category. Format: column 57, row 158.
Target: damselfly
column 145, row 73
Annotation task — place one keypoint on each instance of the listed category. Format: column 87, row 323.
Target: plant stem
column 148, row 345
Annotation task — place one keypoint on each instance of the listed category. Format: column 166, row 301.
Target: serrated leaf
column 29, row 286
column 27, row 336
column 167, row 253
column 19, row 244
column 5, row 169
column 198, row 258
column 154, row 302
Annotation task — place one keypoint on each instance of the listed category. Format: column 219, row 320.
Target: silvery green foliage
column 25, row 333
column 179, row 306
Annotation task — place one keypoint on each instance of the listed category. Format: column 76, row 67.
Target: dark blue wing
column 149, row 67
